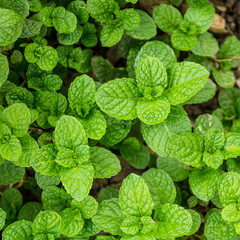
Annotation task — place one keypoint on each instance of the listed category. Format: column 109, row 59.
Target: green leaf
column 45, row 16
column 56, row 199
column 172, row 221
column 203, row 182
column 183, row 41
column 151, row 73
column 130, row 225
column 214, row 159
column 229, row 188
column 158, row 136
column 105, row 163
column 2, row 218
column 116, row 130
column 135, row 153
column 159, row 50
column 202, row 17
column 19, row 230
column 69, row 133
column 63, row 20
column 45, row 181
column 89, row 37
column 111, row 33
column 4, row 69
column 181, row 87
column 153, row 111
column 34, row 5
column 231, row 213
column 188, row 148
column 109, row 216
column 214, row 139
column 47, row 222
column 107, row 193
column 225, row 79
column 31, row 28
column 231, row 148
column 134, row 197
column 89, row 229
column 11, row 25
column 19, row 6
column 175, row 169
column 146, row 28
column 72, row 222
column 161, row 187
column 207, row 45
column 198, row 3
column 129, row 17
column 18, row 118
column 59, row 105
column 43, row 160
column 167, row 18
column 216, row 228
column 65, row 158
column 81, row 95
column 29, row 211
column 78, row 180
column 79, row 9
column 10, row 173
column 88, row 206
column 118, row 98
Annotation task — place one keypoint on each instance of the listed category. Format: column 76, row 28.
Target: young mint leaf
column 200, row 17
column 159, row 50
column 118, row 98
column 29, row 211
column 79, row 9
column 217, row 228
column 19, row 230
column 105, row 163
column 225, row 79
column 198, row 3
column 43, row 160
column 146, row 28
column 89, row 38
column 81, row 95
column 207, row 45
column 65, row 158
column 47, row 222
column 11, row 25
column 214, row 159
column 4, row 68
column 157, row 136
column 109, row 216
column 181, row 86
column 78, row 180
column 188, row 148
column 203, row 182
column 231, row 213
column 231, row 148
column 69, row 133
column 167, row 18
column 172, row 221
column 129, row 17
column 130, row 225
column 161, row 187
column 17, row 117
column 134, row 197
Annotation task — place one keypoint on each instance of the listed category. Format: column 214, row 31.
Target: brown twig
column 39, row 130
column 225, row 60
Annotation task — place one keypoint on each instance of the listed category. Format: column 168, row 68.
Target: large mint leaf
column 172, row 221
column 188, row 148
column 167, row 17
column 146, row 28
column 18, row 118
column 159, row 50
column 134, row 197
column 216, row 228
column 161, row 187
column 151, row 73
column 78, row 180
column 157, row 136
column 109, row 216
column 4, row 69
column 81, row 94
column 11, row 25
column 185, row 79
column 118, row 98
column 69, row 133
column 203, row 182
column 105, row 163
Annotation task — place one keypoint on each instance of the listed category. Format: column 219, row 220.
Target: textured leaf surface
column 232, row 145
column 105, row 163
column 45, row 181
column 118, row 98
column 172, row 221
column 158, row 136
column 196, row 221
column 134, row 197
column 231, row 213
column 29, row 211
column 108, row 193
column 203, row 182
column 130, row 18
column 4, row 69
column 161, row 186
column 225, row 79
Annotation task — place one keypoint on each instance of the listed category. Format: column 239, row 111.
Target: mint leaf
column 225, row 79
column 231, row 148
column 118, row 98
column 231, row 213
column 29, row 211
column 129, row 17
column 167, row 18
column 105, row 163
column 108, row 193
column 4, row 68
column 196, row 221
column 161, row 187
column 134, row 197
